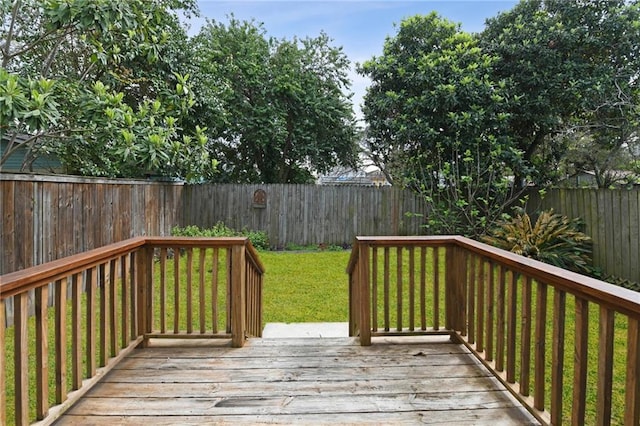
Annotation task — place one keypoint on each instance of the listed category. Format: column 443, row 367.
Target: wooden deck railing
column 91, row 309
column 566, row 345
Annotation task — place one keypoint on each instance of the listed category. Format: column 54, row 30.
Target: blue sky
column 359, row 26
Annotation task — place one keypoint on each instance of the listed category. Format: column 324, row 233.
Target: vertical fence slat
column 605, row 366
column 581, row 362
column 42, row 352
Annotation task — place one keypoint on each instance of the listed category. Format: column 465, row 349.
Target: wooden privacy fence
column 49, row 217
column 612, row 220
column 306, row 214
column 110, row 300
column 566, row 345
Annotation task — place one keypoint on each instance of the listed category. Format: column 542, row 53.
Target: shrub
column 259, row 239
column 554, row 239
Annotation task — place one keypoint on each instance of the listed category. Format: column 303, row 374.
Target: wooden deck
column 299, row 381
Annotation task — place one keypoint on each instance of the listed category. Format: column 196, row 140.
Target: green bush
column 553, row 239
column 259, row 239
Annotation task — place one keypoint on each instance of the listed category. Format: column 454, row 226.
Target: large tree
column 574, row 67
column 276, row 109
column 93, row 82
column 440, row 123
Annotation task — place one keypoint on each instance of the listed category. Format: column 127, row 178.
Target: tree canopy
column 440, row 123
column 89, row 81
column 285, row 112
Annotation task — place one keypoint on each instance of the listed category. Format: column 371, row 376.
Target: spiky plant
column 553, row 239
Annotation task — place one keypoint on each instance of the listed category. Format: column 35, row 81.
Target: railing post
column 364, row 305
column 238, row 296
column 144, row 288
column 455, row 293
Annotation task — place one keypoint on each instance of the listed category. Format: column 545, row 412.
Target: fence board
column 611, row 217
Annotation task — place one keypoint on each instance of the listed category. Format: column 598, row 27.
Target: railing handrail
column 619, row 298
column 35, row 276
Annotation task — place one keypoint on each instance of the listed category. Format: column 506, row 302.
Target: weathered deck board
column 299, row 381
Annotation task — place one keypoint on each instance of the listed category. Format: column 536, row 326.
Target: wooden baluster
column 133, row 294
column 124, row 301
column 490, row 312
column 201, row 297
column 61, row 340
column 471, row 300
column 581, row 362
column 3, row 360
column 557, row 355
column 176, row 290
column 423, row 288
column 365, row 299
column 540, row 348
column 399, row 286
column 482, row 279
column 412, row 288
column 214, row 290
column 605, row 366
column 436, row 288
column 163, row 290
column 113, row 307
column 512, row 312
column 632, row 389
column 228, row 294
column 21, row 360
column 76, row 339
column 189, row 295
column 374, row 289
column 90, row 361
column 104, row 307
column 387, row 322
column 500, row 328
column 42, row 352
column 525, row 338
column 238, row 296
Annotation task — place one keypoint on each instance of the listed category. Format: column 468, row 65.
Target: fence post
column 455, row 284
column 364, row 304
column 144, row 284
column 238, row 297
